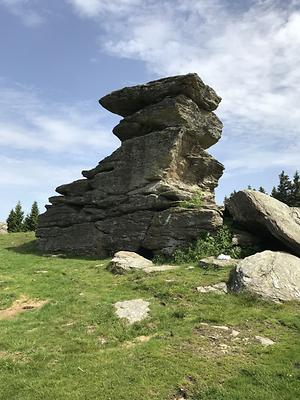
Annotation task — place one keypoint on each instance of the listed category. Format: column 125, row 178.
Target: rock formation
column 273, row 275
column 267, row 217
column 156, row 191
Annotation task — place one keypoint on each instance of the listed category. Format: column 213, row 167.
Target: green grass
column 76, row 348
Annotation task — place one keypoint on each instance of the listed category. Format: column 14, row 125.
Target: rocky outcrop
column 137, row 199
column 272, row 275
column 266, row 217
column 3, row 228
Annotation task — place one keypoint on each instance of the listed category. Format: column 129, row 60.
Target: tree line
column 18, row 222
column 287, row 191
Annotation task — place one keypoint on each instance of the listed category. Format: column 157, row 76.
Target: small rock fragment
column 264, row 341
column 218, row 288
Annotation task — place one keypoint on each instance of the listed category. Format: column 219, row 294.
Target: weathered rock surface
column 266, row 216
column 132, row 199
column 3, row 228
column 124, row 261
column 131, row 99
column 132, row 310
column 272, row 275
column 214, row 262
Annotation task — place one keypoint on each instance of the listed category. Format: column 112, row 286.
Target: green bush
column 212, row 245
column 196, row 201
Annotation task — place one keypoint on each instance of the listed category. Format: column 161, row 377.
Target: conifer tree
column 31, row 220
column 11, row 221
column 283, row 192
column 261, row 190
column 15, row 219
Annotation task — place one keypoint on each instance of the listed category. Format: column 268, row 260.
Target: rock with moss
column 156, row 191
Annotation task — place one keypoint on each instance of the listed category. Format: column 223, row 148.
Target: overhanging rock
column 156, row 191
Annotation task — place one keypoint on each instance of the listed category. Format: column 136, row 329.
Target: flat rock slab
column 264, row 341
column 159, row 268
column 132, row 310
column 272, row 275
column 131, row 99
column 214, row 262
column 218, row 288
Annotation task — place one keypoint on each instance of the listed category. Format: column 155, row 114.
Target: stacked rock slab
column 137, row 199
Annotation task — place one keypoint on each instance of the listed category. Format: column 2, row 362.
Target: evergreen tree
column 31, row 220
column 262, row 190
column 296, row 190
column 284, row 190
column 11, row 221
column 15, row 219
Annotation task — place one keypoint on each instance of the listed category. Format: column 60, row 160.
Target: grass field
column 74, row 347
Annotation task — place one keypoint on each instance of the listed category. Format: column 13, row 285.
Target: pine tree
column 261, row 190
column 31, row 220
column 283, row 192
column 15, row 219
column 19, row 217
column 11, row 221
column 296, row 190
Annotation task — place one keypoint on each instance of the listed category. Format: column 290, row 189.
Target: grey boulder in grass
column 273, row 275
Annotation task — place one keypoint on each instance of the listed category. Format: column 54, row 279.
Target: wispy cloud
column 44, row 144
column 248, row 51
column 26, row 10
column 31, row 123
column 94, row 8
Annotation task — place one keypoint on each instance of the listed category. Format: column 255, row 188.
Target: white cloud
column 25, row 10
column 248, row 51
column 93, row 8
column 27, row 122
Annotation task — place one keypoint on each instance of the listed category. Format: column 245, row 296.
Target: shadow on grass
column 30, row 248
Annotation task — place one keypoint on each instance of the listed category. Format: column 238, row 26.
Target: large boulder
column 142, row 197
column 266, row 217
column 273, row 275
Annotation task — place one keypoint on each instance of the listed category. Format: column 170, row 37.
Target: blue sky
column 59, row 57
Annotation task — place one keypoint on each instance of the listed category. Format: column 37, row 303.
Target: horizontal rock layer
column 131, row 99
column 137, row 199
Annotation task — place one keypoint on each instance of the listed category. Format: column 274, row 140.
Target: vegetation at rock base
column 212, row 245
column 16, row 221
column 76, row 348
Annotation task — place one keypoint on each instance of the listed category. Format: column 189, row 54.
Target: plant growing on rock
column 196, row 201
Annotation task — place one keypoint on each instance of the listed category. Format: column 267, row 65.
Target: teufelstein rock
column 133, row 199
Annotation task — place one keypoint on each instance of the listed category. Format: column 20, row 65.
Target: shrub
column 195, row 201
column 212, row 245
